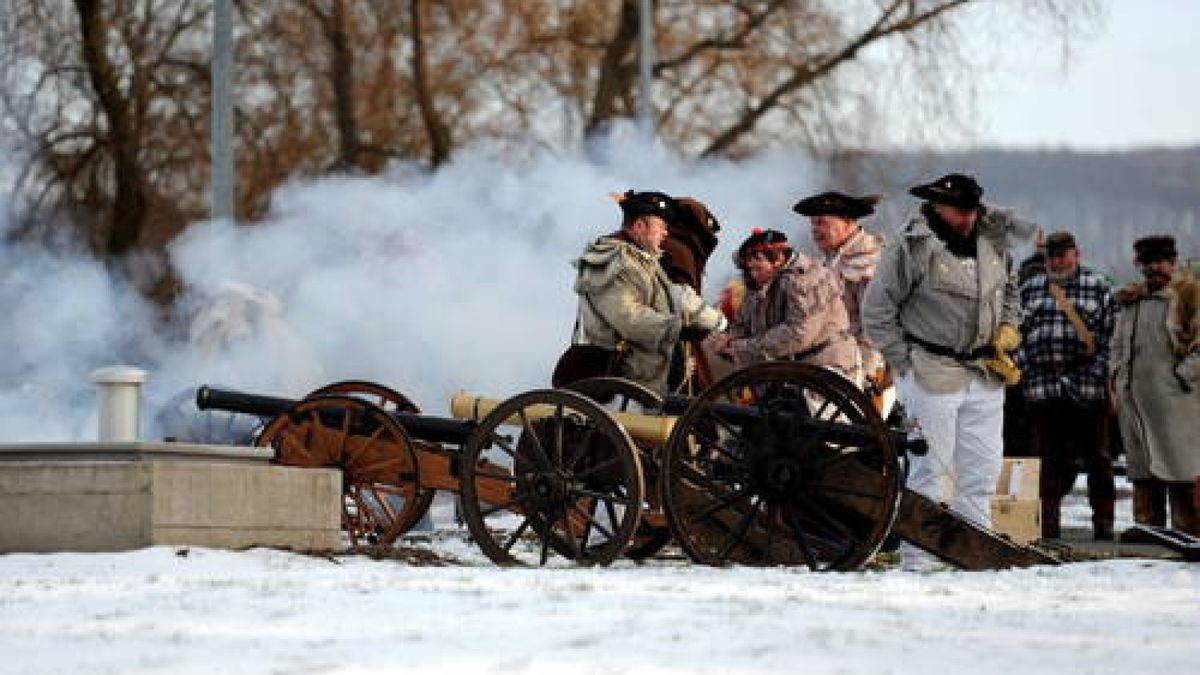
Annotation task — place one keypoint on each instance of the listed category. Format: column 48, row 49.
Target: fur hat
column 955, row 189
column 1154, row 248
column 695, row 213
column 634, row 204
column 837, row 204
column 689, row 243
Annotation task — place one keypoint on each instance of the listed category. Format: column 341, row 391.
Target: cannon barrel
column 649, row 429
column 832, row 431
column 420, row 427
column 208, row 398
column 655, row 429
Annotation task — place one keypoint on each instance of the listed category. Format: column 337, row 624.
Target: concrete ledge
column 112, row 497
column 131, row 451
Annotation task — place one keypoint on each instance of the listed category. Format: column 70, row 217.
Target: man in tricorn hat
column 1067, row 325
column 1155, row 366
column 851, row 252
column 625, row 296
column 943, row 310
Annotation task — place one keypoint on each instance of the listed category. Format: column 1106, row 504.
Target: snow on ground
column 189, row 610
column 203, row 611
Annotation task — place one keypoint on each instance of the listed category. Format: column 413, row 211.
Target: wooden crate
column 1017, row 507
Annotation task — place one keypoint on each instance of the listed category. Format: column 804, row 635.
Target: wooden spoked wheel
column 781, row 464
column 376, row 456
column 361, row 494
column 549, row 477
column 621, row 395
column 384, row 397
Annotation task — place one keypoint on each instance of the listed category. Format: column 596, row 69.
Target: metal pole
column 222, row 111
column 645, row 64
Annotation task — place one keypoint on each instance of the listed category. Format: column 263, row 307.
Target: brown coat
column 800, row 311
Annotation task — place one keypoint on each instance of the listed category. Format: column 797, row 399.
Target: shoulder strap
column 1068, row 308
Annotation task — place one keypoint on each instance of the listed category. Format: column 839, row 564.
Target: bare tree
column 92, row 89
column 435, row 127
column 111, row 100
column 732, row 76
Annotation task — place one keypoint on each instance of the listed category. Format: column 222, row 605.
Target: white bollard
column 120, row 394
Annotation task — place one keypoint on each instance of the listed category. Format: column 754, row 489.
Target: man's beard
column 1060, row 276
column 1156, row 280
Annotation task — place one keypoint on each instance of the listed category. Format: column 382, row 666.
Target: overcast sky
column 1131, row 84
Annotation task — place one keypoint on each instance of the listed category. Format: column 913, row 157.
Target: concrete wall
column 112, row 497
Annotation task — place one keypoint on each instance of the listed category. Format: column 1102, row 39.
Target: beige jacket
column 800, row 311
column 922, row 289
column 1155, row 362
column 855, row 264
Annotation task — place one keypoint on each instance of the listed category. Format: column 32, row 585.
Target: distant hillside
column 1107, row 199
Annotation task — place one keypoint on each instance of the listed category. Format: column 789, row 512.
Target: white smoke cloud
column 428, row 283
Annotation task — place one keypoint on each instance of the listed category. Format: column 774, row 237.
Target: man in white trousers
column 942, row 309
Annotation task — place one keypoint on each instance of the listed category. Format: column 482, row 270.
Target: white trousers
column 964, row 430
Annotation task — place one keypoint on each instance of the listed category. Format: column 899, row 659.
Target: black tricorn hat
column 836, row 204
column 1154, row 248
column 955, row 189
column 634, row 204
column 761, row 240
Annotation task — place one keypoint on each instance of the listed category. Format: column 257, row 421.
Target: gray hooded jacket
column 626, row 295
column 922, row 289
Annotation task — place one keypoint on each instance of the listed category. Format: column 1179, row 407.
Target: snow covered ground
column 262, row 611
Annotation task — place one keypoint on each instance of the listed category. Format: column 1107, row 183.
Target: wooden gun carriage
column 777, row 464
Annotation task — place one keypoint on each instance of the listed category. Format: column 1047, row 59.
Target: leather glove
column 1004, row 367
column 1006, row 338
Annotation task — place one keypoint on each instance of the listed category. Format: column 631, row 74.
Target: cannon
column 554, row 474
column 778, row 464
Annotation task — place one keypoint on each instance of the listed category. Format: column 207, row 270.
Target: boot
column 1149, row 502
column 1051, row 528
column 1102, row 519
column 1183, row 509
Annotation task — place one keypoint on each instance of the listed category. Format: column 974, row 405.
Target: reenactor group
column 940, row 313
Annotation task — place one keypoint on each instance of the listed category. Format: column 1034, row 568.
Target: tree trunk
column 614, row 83
column 128, row 216
column 440, row 143
column 341, row 76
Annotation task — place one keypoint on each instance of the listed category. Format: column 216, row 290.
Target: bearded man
column 1156, row 379
column 1067, row 325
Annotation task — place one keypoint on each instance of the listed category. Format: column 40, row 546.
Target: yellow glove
column 1004, row 367
column 1007, row 338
